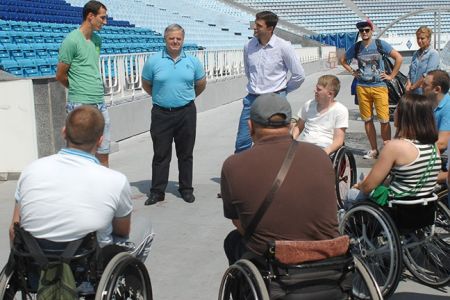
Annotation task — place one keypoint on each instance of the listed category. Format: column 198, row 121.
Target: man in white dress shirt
column 267, row 59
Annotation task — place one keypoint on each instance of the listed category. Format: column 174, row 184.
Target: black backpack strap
column 32, row 245
column 357, row 47
column 380, row 47
column 275, row 186
column 70, row 250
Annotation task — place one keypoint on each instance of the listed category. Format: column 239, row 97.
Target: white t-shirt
column 319, row 128
column 65, row 196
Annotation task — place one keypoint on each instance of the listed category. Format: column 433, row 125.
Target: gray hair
column 173, row 27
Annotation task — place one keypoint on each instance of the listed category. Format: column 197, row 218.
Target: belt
column 276, row 92
column 173, row 108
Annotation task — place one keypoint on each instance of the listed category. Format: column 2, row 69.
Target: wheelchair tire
column 442, row 223
column 370, row 287
column 243, row 277
column 125, row 277
column 374, row 239
column 8, row 289
column 426, row 257
column 344, row 166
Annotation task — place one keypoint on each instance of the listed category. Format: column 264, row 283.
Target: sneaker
column 371, row 154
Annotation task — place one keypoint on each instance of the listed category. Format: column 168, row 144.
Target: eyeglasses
column 366, row 30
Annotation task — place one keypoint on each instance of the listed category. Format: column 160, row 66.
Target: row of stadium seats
column 204, row 24
column 52, row 11
column 377, row 12
column 30, row 67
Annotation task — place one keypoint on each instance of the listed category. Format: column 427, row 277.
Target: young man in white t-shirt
column 323, row 120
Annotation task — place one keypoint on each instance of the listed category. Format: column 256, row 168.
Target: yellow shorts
column 367, row 97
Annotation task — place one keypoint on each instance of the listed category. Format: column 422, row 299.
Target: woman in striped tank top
column 411, row 157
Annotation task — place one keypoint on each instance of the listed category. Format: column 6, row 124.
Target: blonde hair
column 424, row 29
column 331, row 83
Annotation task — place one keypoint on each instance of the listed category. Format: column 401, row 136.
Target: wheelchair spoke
column 427, row 258
column 374, row 239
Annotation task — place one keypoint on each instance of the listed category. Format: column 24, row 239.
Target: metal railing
column 121, row 73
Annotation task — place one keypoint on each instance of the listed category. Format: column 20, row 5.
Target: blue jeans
column 243, row 138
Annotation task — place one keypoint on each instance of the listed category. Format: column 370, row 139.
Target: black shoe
column 154, row 198
column 188, row 196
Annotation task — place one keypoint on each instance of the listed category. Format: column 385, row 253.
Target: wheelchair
column 285, row 273
column 344, row 166
column 406, row 232
column 112, row 272
column 442, row 222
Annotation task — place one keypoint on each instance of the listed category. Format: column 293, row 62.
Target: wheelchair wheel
column 375, row 240
column 426, row 257
column 243, row 281
column 9, row 290
column 364, row 284
column 125, row 277
column 442, row 223
column 345, row 172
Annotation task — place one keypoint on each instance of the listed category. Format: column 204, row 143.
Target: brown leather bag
column 297, row 252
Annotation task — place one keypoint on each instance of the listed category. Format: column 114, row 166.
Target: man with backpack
column 371, row 89
column 65, row 196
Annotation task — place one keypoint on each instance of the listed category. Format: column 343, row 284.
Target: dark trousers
column 177, row 125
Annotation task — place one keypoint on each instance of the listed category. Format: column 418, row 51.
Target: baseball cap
column 364, row 23
column 266, row 106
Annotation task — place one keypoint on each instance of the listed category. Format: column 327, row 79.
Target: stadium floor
column 187, row 260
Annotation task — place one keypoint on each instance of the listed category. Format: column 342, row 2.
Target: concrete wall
column 49, row 103
column 32, row 113
column 18, row 139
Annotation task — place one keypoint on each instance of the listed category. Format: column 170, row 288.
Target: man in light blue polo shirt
column 436, row 85
column 174, row 79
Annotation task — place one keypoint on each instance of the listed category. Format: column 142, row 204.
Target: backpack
column 56, row 277
column 57, row 282
column 396, row 86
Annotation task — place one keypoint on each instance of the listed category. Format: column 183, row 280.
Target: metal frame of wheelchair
column 244, row 278
column 376, row 240
column 124, row 277
column 344, row 166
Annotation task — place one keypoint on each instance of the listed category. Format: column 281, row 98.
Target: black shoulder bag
column 396, row 86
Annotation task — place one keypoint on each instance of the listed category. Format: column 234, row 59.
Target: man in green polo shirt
column 78, row 68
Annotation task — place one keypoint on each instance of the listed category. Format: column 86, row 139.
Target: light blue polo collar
column 443, row 102
column 80, row 153
column 165, row 54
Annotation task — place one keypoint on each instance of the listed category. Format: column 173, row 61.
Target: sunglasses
column 366, row 30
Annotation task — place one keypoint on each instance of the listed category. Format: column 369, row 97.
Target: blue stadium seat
column 28, row 67
column 14, row 51
column 4, row 53
column 53, row 61
column 44, row 67
column 12, row 67
column 53, row 49
column 41, row 50
column 28, row 51
column 5, row 38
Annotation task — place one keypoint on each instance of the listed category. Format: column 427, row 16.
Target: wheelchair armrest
column 297, row 252
column 423, row 201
